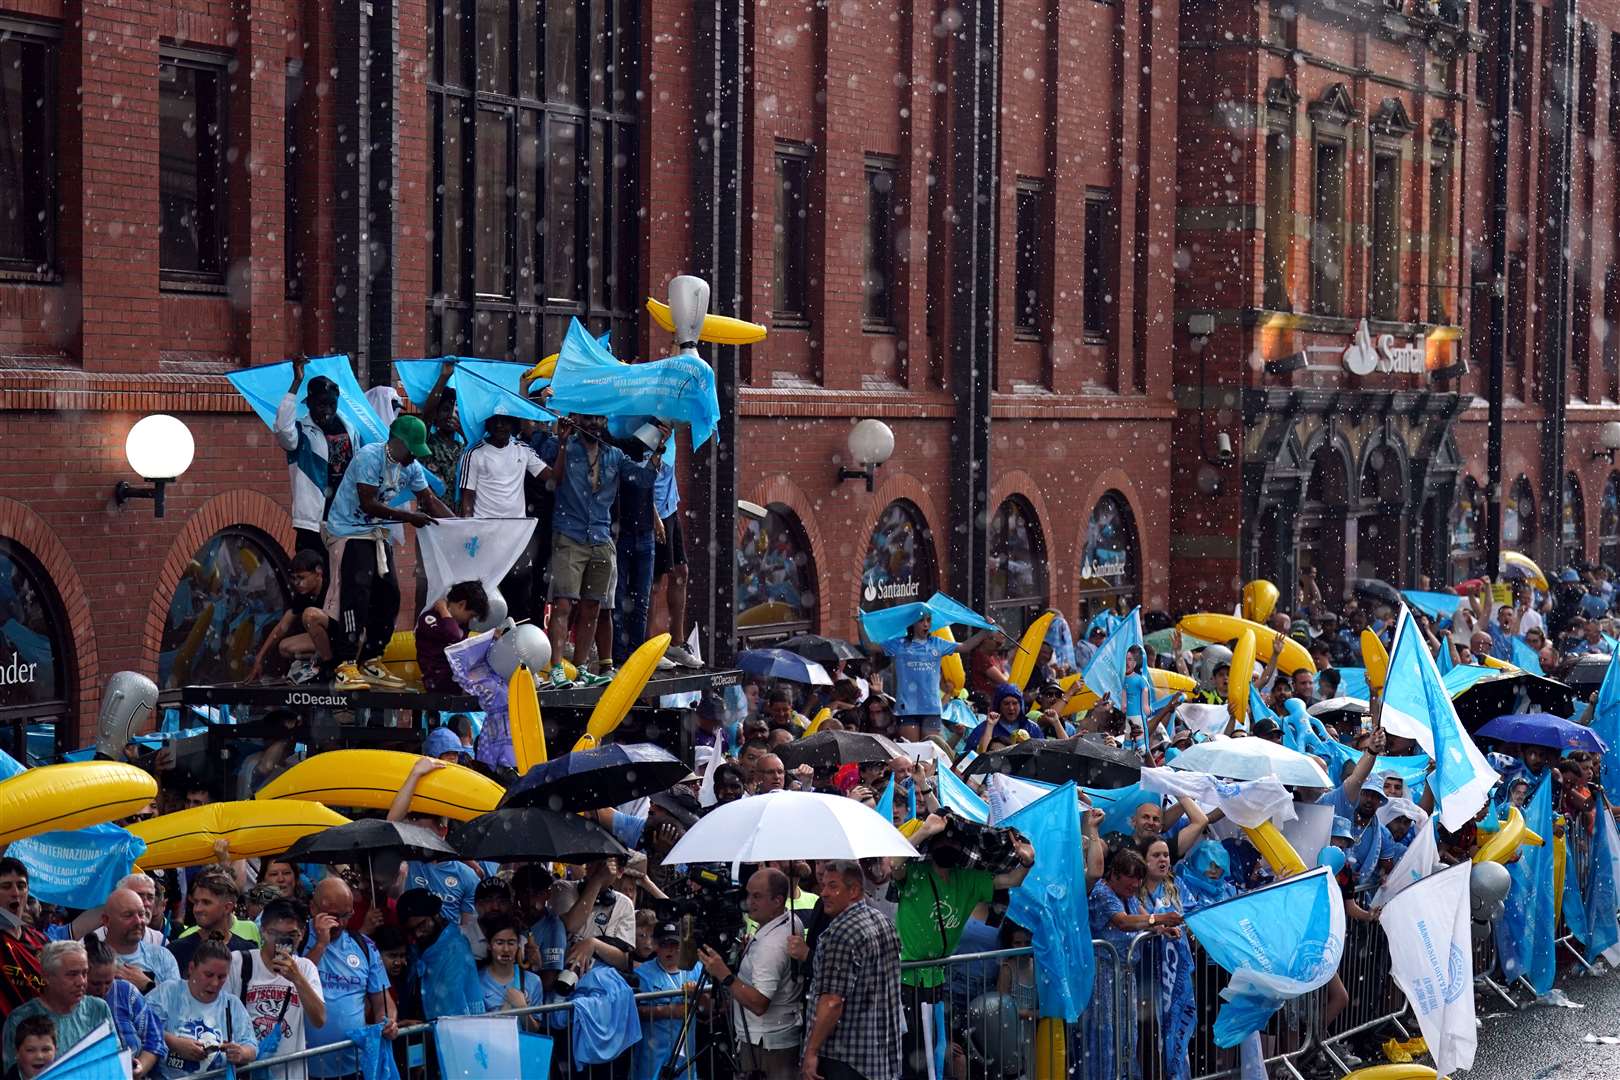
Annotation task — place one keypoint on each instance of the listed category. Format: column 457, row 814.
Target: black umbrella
column 823, row 650
column 1587, row 674
column 830, row 749
column 1378, row 589
column 358, row 840
column 1086, row 759
column 601, row 776
column 535, row 834
column 1512, row 692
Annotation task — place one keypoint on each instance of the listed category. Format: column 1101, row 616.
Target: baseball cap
column 413, row 433
column 680, row 805
column 666, row 931
column 415, row 903
column 1568, row 576
column 1266, row 728
column 442, row 741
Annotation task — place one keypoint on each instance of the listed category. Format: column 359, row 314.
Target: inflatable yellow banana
column 1531, row 838
column 1029, row 648
column 1224, row 628
column 545, row 369
column 950, row 665
column 1081, row 702
column 1376, row 660
column 1499, row 665
column 1505, row 841
column 1259, row 600
column 369, row 780
column 1412, row 1071
column 1171, row 680
column 181, row 672
column 1274, row 847
column 815, row 724
column 74, row 795
column 252, row 829
column 615, row 703
column 402, row 646
column 1240, row 677
column 717, row 329
column 1051, row 1048
column 523, row 716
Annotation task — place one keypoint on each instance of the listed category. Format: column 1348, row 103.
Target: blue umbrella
column 1543, row 729
column 782, row 664
column 601, row 776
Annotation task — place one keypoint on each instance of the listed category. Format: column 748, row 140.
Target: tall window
column 1030, row 268
column 1580, row 345
column 1614, row 84
column 1609, row 387
column 535, row 177
column 1572, row 526
column 878, row 280
column 792, row 247
column 1609, row 523
column 1586, row 78
column 27, row 152
column 1440, row 233
column 223, row 608
column 1017, row 566
column 1386, row 236
column 292, row 190
column 776, row 577
column 193, row 208
column 1279, row 218
column 1327, row 229
column 1524, row 32
column 1100, row 269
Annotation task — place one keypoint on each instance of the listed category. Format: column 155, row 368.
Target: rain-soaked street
column 1547, row 1043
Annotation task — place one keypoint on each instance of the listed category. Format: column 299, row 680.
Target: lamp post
column 159, row 448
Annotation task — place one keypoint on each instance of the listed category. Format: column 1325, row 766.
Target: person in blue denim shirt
column 588, row 470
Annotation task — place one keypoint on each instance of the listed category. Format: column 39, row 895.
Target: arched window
column 776, row 577
column 1467, row 530
column 1519, row 518
column 36, row 656
column 1110, row 567
column 1609, row 523
column 1572, row 527
column 1017, row 566
column 229, row 597
column 900, row 565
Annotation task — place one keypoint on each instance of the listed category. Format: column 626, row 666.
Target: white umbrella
column 1340, row 704
column 1252, row 759
column 789, row 825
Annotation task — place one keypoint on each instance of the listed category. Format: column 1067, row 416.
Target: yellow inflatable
column 1499, row 665
column 1159, row 677
column 717, row 329
column 252, row 829
column 399, row 658
column 74, row 795
column 950, row 665
column 616, row 701
column 545, row 369
column 1029, row 648
column 1171, row 680
column 369, row 780
column 1274, row 847
column 1410, row 1071
column 1503, row 843
column 1259, row 600
column 523, row 718
column 1081, row 702
column 815, row 724
column 1051, row 1048
column 1376, row 660
column 1240, row 677
column 1213, row 627
column 1512, row 560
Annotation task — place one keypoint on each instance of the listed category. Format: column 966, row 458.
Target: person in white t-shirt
column 493, row 472
column 280, row 988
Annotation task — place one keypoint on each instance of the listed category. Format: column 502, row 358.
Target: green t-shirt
column 246, row 929
column 931, row 915
column 71, row 1028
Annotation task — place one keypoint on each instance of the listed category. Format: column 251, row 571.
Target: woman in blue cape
column 1141, row 705
column 1165, row 965
column 1202, row 876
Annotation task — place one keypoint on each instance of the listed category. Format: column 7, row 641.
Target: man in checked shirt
column 855, row 986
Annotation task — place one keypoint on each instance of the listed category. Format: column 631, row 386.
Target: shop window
column 1017, row 566
column 1519, row 518
column 1467, row 530
column 1609, row 524
column 899, row 566
column 1572, row 522
column 229, row 597
column 1327, row 228
column 878, row 281
column 193, row 206
column 35, row 645
column 792, row 246
column 776, row 577
column 1110, row 564
column 27, row 151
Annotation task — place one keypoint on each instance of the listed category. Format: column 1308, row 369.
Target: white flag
column 470, row 549
column 1431, row 958
column 1009, row 794
column 1422, row 858
column 472, row 1046
column 1249, row 803
column 1310, row 831
column 1203, row 719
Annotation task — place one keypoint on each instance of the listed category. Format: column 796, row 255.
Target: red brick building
column 993, row 227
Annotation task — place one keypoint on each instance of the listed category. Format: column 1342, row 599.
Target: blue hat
column 1568, row 576
column 1341, row 827
column 1005, row 691
column 442, row 741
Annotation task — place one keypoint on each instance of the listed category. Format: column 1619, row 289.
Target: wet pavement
column 1544, row 1043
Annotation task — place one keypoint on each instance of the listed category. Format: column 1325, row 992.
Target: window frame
column 46, row 37
column 292, row 191
column 1384, row 237
column 1441, row 214
column 1320, row 303
column 790, row 249
column 1032, row 266
column 881, row 255
column 1099, row 300
column 217, row 66
column 1030, row 605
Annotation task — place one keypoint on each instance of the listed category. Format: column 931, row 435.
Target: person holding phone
column 280, row 988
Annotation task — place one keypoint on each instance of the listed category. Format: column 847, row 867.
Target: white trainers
column 679, row 655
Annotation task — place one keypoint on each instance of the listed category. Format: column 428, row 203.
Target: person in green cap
column 361, row 530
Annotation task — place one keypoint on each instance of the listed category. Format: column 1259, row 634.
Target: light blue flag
column 1353, row 683
column 1417, row 706
column 96, row 1057
column 1436, row 605
column 1525, row 657
column 1118, row 813
column 10, row 766
column 483, row 388
column 885, row 804
column 1602, row 897
column 1105, row 675
column 478, row 1046
column 1051, row 903
column 1447, row 659
column 881, row 626
column 956, row 796
column 1606, row 725
column 1462, row 676
column 590, row 381
column 1526, row 934
column 78, row 869
column 264, row 387
column 1279, row 942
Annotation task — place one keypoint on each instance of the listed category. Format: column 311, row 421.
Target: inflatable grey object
column 497, row 611
column 126, row 705
column 1209, row 659
column 688, row 304
column 526, row 644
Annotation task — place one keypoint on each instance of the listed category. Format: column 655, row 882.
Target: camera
column 712, row 901
column 565, row 982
